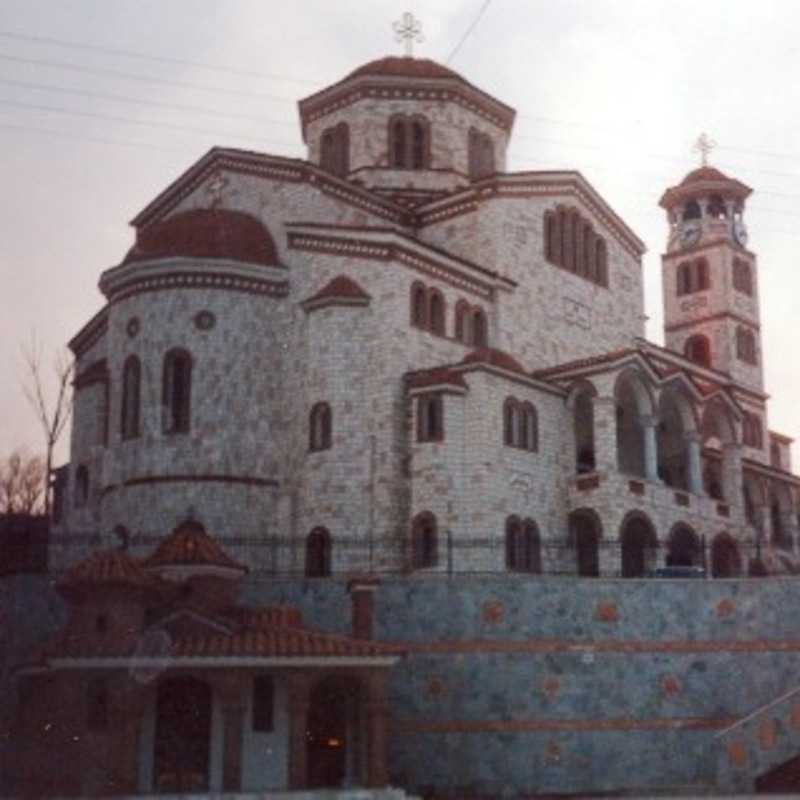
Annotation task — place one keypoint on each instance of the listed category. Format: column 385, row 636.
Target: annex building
column 375, row 481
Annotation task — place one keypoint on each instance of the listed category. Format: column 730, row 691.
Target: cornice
column 90, row 333
column 676, row 326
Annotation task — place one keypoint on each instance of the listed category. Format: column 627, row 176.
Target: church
column 374, row 481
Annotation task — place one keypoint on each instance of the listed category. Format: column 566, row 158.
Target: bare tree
column 52, row 415
column 22, row 484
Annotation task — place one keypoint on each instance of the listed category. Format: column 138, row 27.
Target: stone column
column 695, row 469
column 605, row 434
column 732, row 474
column 650, row 449
column 377, row 728
column 299, row 689
column 231, row 694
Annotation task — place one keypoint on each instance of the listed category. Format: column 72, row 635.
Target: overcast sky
column 103, row 103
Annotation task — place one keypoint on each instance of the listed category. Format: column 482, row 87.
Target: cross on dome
column 704, row 145
column 408, row 30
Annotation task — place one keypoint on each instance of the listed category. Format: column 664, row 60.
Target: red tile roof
column 496, row 358
column 339, row 288
column 206, row 233
column 704, row 174
column 108, row 567
column 190, row 545
column 435, row 377
column 581, row 363
column 405, row 66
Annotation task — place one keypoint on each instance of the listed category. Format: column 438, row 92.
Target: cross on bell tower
column 408, row 30
column 704, row 145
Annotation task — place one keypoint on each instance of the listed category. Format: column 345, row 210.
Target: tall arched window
column 409, row 142
column 752, row 433
column 746, row 345
column 318, row 553
column 529, row 429
column 335, row 150
column 430, row 418
column 552, row 237
column 479, row 329
column 176, row 395
column 725, row 561
column 131, row 393
column 523, row 547
column 462, row 321
column 684, row 278
column 398, row 142
column 419, row 305
column 424, row 541
column 510, row 421
column 436, row 312
column 520, row 425
column 587, row 249
column 480, row 154
column 419, row 143
column 698, row 349
column 320, row 426
column 638, row 543
column 81, row 493
column 742, row 276
column 701, row 282
column 601, row 262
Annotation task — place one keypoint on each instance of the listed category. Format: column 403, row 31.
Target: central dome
column 405, row 67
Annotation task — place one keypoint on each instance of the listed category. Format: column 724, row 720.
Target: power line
column 143, row 78
column 468, row 31
column 154, row 103
column 148, row 57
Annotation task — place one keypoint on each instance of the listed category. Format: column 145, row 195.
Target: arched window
column 510, row 421
column 419, row 305
column 584, row 534
column 684, row 279
column 692, row 210
column 436, row 312
column 520, row 425
column 81, row 493
column 775, row 454
column 698, row 349
column 318, row 553
column 424, row 541
column 683, row 548
column 587, row 251
column 176, row 395
column 752, row 433
column 742, row 276
column 479, row 328
column 480, row 154
column 638, row 541
column 97, row 716
column 335, row 150
column 523, row 547
column 746, row 345
column 462, row 322
column 430, row 418
column 716, row 207
column 131, row 393
column 320, row 426
column 529, row 428
column 725, row 562
column 409, row 142
column 568, row 239
column 601, row 262
column 701, row 281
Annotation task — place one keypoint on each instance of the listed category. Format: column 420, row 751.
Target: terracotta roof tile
column 580, row 363
column 496, row 358
column 405, row 66
column 190, row 545
column 339, row 288
column 435, row 377
column 206, row 233
column 109, row 567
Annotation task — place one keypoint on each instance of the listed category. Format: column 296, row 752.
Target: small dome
column 405, row 67
column 704, row 174
column 206, row 233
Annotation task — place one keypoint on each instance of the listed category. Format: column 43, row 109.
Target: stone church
column 374, row 480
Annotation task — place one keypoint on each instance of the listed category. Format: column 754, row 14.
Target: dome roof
column 704, row 180
column 206, row 233
column 405, row 67
column 704, row 174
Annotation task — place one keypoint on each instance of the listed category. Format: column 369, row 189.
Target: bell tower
column 709, row 276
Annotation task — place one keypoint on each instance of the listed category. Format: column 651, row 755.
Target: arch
column 677, row 422
column 715, row 207
column 182, row 746
column 419, row 305
column 462, row 313
column 318, row 553
column 697, row 348
column 742, row 276
column 424, row 541
column 692, row 210
column 701, row 275
column 683, row 547
column 581, row 401
column 398, row 142
column 584, row 534
column 420, row 142
column 176, row 394
column 633, row 403
column 436, row 312
column 510, row 421
column 523, row 546
column 746, row 345
column 335, row 739
column 131, row 397
column 81, row 489
column 638, row 544
column 529, row 428
column 587, row 252
column 684, row 282
column 320, row 427
column 725, row 560
column 479, row 328
column 430, row 418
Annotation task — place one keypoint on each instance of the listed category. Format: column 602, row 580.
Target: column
column 732, row 474
column 231, row 695
column 605, row 434
column 695, row 469
column 650, row 449
column 377, row 728
column 299, row 689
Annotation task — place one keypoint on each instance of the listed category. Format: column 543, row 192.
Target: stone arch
column 718, row 431
column 584, row 533
column 684, row 548
column 580, row 401
column 638, row 545
column 725, row 559
column 677, row 423
column 634, row 404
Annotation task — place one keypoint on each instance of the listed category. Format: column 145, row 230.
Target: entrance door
column 333, row 734
column 183, row 736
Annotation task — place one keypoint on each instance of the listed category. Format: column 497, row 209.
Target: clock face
column 740, row 232
column 690, row 233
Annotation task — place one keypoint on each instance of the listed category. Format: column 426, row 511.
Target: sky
column 102, row 104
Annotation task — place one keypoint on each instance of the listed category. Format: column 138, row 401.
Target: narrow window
column 177, row 391
column 424, row 544
column 430, row 419
column 81, row 494
column 516, row 556
column 419, row 138
column 684, row 279
column 479, row 337
column 398, row 143
column 600, row 262
column 742, row 277
column 550, row 237
column 320, row 427
column 697, row 349
column 775, row 454
column 509, row 421
column 328, row 150
column 745, row 345
column 97, row 705
column 530, row 437
column 131, row 393
column 701, row 282
column 419, row 306
column 318, row 553
column 588, row 252
column 436, row 312
column 461, row 322
column 342, row 149
column 263, row 703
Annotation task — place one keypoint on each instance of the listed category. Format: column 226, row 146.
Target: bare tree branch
column 22, row 484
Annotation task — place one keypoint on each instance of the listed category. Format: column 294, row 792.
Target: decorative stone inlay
column 133, row 327
column 551, row 687
column 737, row 754
column 606, row 612
column 670, row 685
column 204, row 320
column 767, row 734
column 437, row 687
column 492, row 611
column 725, row 607
column 552, row 752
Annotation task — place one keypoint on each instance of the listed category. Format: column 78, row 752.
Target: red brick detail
column 737, row 754
column 606, row 612
column 636, row 487
column 767, row 734
column 492, row 612
column 670, row 686
column 794, row 717
column 587, row 483
column 340, row 288
column 552, row 752
column 681, row 498
column 725, row 607
column 437, row 687
column 551, row 687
